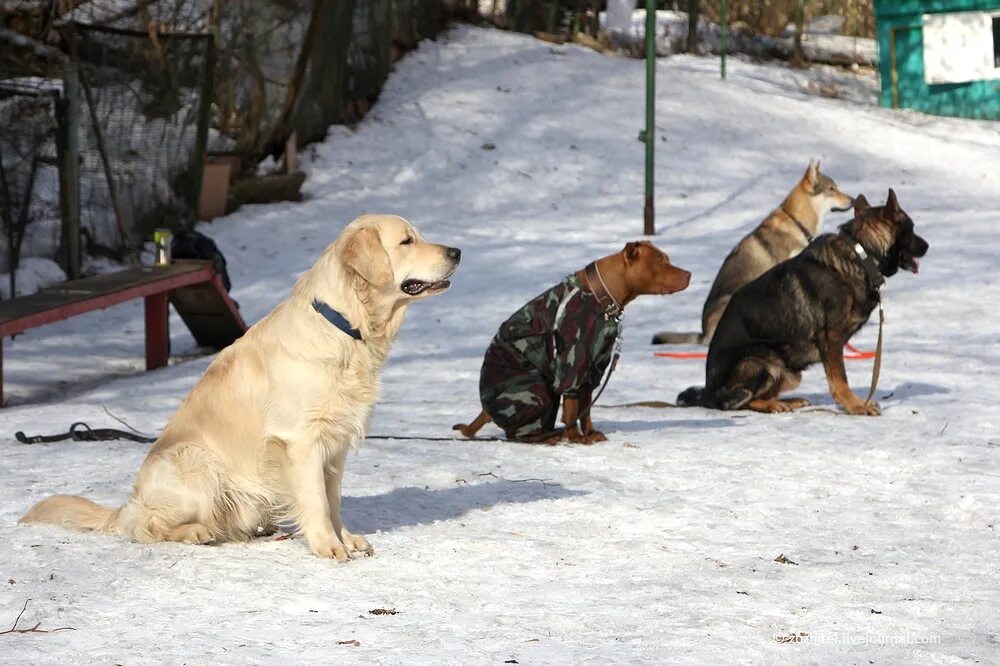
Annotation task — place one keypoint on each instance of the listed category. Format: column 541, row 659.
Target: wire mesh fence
column 29, row 176
column 142, row 134
column 159, row 85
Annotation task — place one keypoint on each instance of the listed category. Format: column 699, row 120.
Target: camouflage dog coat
column 558, row 344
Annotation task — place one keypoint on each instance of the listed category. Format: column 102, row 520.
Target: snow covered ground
column 657, row 546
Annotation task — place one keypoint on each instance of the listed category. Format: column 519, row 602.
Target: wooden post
column 157, row 331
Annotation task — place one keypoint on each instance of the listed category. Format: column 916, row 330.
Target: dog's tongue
column 916, row 266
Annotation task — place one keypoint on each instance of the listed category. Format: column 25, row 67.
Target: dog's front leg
column 590, row 435
column 570, row 411
column 306, row 476
column 574, row 422
column 334, row 476
column 832, row 353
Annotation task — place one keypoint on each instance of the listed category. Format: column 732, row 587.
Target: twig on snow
column 122, row 421
column 544, row 482
column 32, row 630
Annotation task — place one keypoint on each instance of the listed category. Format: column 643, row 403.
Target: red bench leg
column 157, row 331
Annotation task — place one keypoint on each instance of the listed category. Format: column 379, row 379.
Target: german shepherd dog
column 785, row 232
column 804, row 311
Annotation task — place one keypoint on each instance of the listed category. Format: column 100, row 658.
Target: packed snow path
column 657, row 546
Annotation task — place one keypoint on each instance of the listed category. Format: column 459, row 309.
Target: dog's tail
column 72, row 512
column 672, row 338
column 692, row 397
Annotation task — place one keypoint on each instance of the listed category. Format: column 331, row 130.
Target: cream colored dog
column 264, row 434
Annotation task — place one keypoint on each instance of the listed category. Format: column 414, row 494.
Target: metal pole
column 648, row 136
column 68, row 148
column 723, row 35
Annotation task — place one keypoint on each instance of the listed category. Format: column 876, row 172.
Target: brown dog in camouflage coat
column 559, row 344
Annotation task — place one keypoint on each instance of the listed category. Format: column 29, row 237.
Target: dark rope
column 81, row 432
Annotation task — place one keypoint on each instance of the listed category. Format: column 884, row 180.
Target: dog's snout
column 454, row 254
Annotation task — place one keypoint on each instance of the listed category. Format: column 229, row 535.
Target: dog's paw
column 771, row 406
column 593, row 437
column 356, row 543
column 864, row 409
column 796, row 403
column 329, row 548
column 193, row 533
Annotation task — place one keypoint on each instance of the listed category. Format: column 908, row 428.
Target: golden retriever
column 264, row 434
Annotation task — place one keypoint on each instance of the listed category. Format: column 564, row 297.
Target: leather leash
column 877, row 367
column 81, row 432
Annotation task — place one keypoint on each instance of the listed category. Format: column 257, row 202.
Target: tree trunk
column 692, row 40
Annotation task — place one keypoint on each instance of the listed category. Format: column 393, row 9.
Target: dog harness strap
column 802, row 227
column 600, row 290
column 335, row 318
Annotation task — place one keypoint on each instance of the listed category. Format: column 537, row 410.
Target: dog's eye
column 407, row 241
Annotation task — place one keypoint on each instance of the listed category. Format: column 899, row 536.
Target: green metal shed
column 940, row 56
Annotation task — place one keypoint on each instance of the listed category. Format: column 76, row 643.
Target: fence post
column 196, row 170
column 68, row 157
column 723, row 36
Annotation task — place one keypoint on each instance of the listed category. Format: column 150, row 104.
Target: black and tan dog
column 804, row 311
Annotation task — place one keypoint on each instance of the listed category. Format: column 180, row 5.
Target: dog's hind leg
column 470, row 430
column 752, row 384
column 790, row 381
column 175, row 499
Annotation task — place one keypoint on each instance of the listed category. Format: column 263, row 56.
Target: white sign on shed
column 959, row 47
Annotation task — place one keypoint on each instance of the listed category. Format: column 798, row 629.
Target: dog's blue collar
column 335, row 318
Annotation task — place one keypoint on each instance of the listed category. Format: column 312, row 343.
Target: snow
column 34, row 273
column 657, row 546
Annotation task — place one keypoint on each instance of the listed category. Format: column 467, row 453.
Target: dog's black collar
column 805, row 231
column 335, row 318
column 868, row 261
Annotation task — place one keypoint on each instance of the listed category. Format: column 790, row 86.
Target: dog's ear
column 892, row 205
column 860, row 204
column 810, row 174
column 363, row 253
column 631, row 251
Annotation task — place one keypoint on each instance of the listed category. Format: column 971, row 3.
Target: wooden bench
column 193, row 287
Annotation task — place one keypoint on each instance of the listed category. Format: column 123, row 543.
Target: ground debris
column 781, row 559
column 384, row 611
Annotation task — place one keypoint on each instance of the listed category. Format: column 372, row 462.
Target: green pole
column 649, row 226
column 723, row 35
